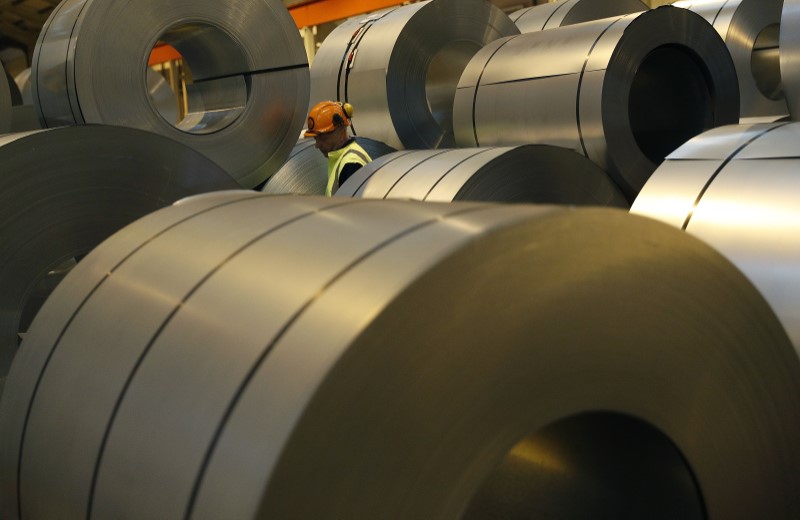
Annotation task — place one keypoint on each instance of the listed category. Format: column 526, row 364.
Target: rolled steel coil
column 737, row 188
column 249, row 92
column 65, row 190
column 5, row 106
column 400, row 67
column 275, row 372
column 624, row 92
column 790, row 55
column 23, row 81
column 531, row 173
column 569, row 12
column 306, row 170
column 24, row 119
column 751, row 31
column 13, row 90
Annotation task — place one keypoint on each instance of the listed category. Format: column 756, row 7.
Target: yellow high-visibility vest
column 337, row 159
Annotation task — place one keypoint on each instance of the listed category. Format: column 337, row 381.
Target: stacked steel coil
column 569, row 12
column 790, row 55
column 624, row 92
column 276, row 373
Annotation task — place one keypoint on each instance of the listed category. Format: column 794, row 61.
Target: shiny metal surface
column 751, row 30
column 359, row 384
column 400, row 67
column 790, row 55
column 569, row 12
column 532, row 173
column 306, row 170
column 5, row 105
column 745, row 203
column 63, row 191
column 624, row 92
column 249, row 94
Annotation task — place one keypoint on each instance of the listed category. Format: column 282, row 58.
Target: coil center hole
column 670, row 101
column 765, row 62
column 592, row 465
column 205, row 72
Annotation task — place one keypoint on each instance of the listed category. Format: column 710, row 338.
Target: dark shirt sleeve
column 348, row 170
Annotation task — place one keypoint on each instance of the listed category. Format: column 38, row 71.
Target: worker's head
column 327, row 124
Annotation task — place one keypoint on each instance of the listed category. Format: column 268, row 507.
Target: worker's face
column 331, row 141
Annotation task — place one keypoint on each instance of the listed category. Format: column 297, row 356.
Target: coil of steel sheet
column 386, row 373
column 13, row 90
column 790, row 55
column 64, row 190
column 306, row 170
column 249, row 71
column 737, row 188
column 569, row 12
column 400, row 67
column 624, row 92
column 23, row 81
column 530, row 173
column 5, row 105
column 24, row 119
column 751, row 30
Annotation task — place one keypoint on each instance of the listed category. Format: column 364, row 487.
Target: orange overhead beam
column 317, row 12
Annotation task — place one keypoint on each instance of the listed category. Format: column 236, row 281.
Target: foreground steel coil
column 569, row 12
column 624, row 92
column 790, row 55
column 64, row 190
column 277, row 373
column 737, row 188
column 400, row 67
column 306, row 170
column 248, row 99
column 531, row 173
column 751, row 31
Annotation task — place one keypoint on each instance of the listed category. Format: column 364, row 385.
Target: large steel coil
column 23, row 81
column 249, row 92
column 13, row 90
column 276, row 372
column 5, row 105
column 530, row 173
column 400, row 67
column 568, row 12
column 63, row 191
column 306, row 170
column 738, row 189
column 624, row 92
column 790, row 55
column 751, row 31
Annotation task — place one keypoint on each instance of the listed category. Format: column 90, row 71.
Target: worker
column 327, row 124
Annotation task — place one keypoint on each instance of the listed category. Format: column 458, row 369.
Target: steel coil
column 737, row 188
column 23, row 81
column 400, row 67
column 277, row 373
column 248, row 99
column 790, row 55
column 24, row 119
column 530, row 173
column 751, row 31
column 5, row 105
column 13, row 90
column 306, row 170
column 569, row 12
column 63, row 191
column 624, row 92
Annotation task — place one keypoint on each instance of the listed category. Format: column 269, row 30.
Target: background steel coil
column 624, row 92
column 751, row 31
column 569, row 12
column 250, row 92
column 790, row 55
column 360, row 384
column 738, row 189
column 531, row 173
column 306, row 170
column 63, row 191
column 13, row 90
column 5, row 105
column 23, row 81
column 400, row 67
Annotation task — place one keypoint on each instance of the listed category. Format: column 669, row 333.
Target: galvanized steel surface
column 623, row 91
column 277, row 373
column 400, row 67
column 249, row 93
column 751, row 31
column 790, row 55
column 569, row 12
column 738, row 189
column 531, row 173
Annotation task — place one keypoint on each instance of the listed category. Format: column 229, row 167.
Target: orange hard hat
column 327, row 116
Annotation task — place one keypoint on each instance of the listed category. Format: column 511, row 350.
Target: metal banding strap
column 396, row 156
column 477, row 87
column 445, row 174
column 410, row 169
